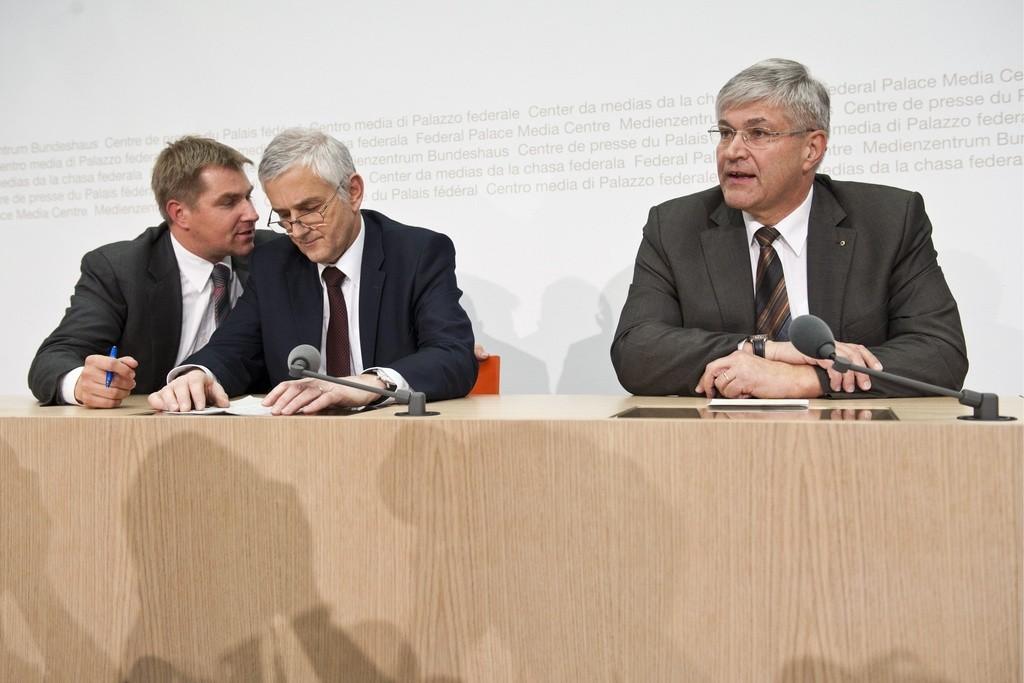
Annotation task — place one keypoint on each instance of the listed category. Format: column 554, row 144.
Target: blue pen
column 110, row 375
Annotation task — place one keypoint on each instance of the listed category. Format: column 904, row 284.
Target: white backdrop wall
column 536, row 134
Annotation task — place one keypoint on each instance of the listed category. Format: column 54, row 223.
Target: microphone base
column 986, row 407
column 417, row 406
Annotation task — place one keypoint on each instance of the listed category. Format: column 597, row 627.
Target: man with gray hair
column 378, row 298
column 720, row 274
column 156, row 298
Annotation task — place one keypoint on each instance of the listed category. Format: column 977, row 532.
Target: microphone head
column 812, row 337
column 303, row 357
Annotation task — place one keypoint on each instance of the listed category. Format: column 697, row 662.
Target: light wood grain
column 512, row 539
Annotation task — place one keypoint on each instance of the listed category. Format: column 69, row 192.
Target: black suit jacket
column 410, row 318
column 129, row 294
column 872, row 275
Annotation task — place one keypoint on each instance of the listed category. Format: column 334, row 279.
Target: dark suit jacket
column 872, row 275
column 410, row 318
column 129, row 294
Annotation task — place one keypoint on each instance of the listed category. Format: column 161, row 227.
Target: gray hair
column 327, row 157
column 779, row 82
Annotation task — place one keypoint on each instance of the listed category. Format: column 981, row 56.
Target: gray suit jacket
column 129, row 294
column 872, row 275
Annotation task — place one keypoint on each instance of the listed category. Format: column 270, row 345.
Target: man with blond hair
column 159, row 297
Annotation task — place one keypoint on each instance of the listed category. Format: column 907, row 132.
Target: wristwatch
column 757, row 343
column 388, row 384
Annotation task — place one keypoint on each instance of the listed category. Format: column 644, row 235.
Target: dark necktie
column 338, row 349
column 770, row 298
column 221, row 294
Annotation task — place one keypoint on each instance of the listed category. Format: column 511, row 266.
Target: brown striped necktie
column 339, row 363
column 770, row 298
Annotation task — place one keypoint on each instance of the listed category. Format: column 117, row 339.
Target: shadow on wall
column 39, row 640
column 521, row 373
column 988, row 340
column 560, row 346
column 587, row 368
column 533, row 567
column 227, row 592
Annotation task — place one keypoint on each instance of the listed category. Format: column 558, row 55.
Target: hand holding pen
column 106, row 380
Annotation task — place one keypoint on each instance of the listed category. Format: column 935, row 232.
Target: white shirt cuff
column 182, row 369
column 392, row 376
column 67, row 387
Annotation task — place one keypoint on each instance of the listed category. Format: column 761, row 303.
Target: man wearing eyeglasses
column 156, row 298
column 378, row 298
column 720, row 274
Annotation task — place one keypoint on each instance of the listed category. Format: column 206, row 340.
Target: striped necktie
column 770, row 298
column 221, row 294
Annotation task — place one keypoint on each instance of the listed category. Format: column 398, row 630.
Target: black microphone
column 304, row 358
column 812, row 337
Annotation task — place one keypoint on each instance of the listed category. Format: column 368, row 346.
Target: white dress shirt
column 198, row 317
column 791, row 248
column 351, row 264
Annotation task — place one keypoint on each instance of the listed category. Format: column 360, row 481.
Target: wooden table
column 512, row 538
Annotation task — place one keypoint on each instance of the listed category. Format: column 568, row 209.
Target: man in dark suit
column 380, row 299
column 152, row 296
column 721, row 273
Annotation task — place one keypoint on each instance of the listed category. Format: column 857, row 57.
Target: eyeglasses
column 309, row 221
column 754, row 138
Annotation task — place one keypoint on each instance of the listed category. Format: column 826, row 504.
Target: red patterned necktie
column 339, row 351
column 770, row 298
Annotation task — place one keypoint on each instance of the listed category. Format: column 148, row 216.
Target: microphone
column 304, row 360
column 812, row 337
column 303, row 357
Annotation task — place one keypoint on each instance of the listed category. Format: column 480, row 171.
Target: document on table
column 758, row 404
column 249, row 405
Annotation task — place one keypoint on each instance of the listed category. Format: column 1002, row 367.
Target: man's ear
column 178, row 213
column 817, row 143
column 355, row 191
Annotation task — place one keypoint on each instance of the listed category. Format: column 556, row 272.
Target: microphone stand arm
column 986, row 406
column 416, row 400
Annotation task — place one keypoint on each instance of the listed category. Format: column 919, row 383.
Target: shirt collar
column 792, row 228
column 195, row 270
column 350, row 262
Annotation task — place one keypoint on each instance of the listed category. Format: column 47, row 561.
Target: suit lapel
column 240, row 267
column 371, row 286
column 306, row 299
column 829, row 255
column 164, row 294
column 727, row 259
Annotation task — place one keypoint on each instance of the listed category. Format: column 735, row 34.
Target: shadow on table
column 537, row 558
column 39, row 639
column 226, row 585
column 896, row 667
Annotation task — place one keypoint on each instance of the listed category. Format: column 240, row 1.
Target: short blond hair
column 177, row 168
